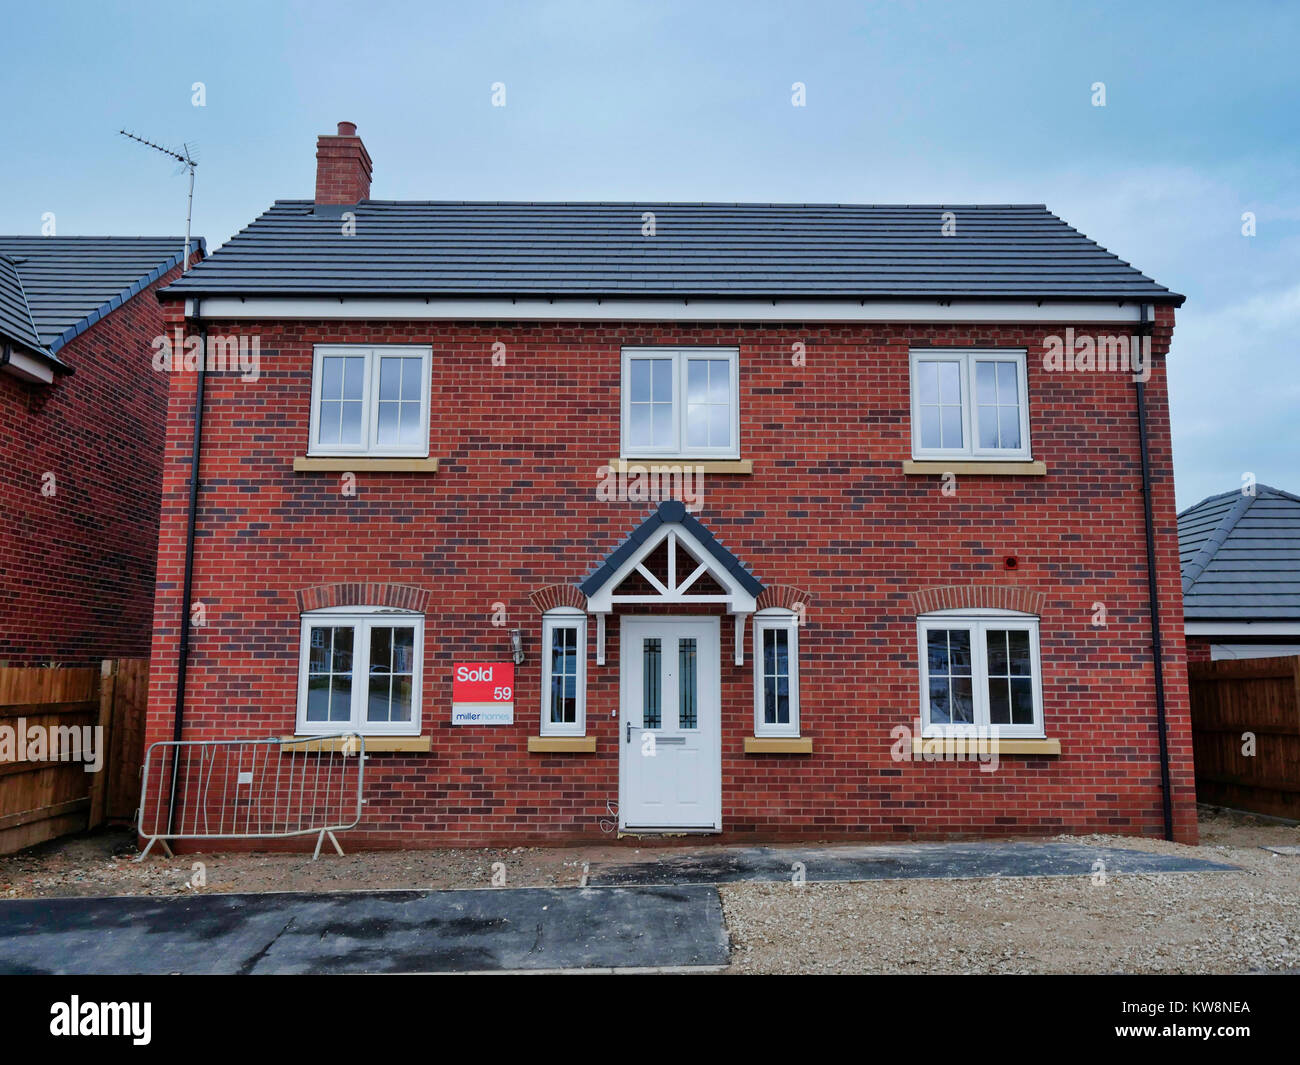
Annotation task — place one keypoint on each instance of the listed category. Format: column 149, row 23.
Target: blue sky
column 921, row 102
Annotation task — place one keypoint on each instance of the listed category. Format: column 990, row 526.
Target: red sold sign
column 483, row 682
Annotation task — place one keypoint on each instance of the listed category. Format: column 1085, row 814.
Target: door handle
column 629, row 732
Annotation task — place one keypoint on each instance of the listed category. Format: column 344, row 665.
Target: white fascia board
column 1242, row 628
column 661, row 310
column 26, row 368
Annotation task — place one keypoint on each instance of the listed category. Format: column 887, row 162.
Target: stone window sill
column 962, row 745
column 707, row 465
column 562, row 744
column 778, row 745
column 998, row 468
column 374, row 744
column 359, row 464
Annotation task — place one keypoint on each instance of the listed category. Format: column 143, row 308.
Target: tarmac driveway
column 367, row 932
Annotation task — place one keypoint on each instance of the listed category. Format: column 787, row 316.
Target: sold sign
column 483, row 693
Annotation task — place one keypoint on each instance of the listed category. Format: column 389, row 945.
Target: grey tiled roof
column 72, row 282
column 722, row 250
column 15, row 319
column 1240, row 556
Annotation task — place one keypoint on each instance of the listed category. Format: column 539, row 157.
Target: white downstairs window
column 681, row 403
column 564, row 672
column 981, row 669
column 360, row 671
column 370, row 401
column 776, row 673
column 969, row 403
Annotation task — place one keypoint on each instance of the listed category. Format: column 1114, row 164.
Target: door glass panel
column 688, row 713
column 652, row 684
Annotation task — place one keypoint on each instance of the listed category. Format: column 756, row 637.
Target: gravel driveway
column 1166, row 923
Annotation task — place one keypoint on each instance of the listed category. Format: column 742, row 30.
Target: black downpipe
column 1157, row 651
column 183, row 653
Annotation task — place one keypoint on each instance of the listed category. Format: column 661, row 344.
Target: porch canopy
column 671, row 558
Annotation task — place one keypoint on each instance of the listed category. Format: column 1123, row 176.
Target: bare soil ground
column 1247, row 921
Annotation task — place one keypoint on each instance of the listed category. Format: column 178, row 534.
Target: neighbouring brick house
column 908, row 522
column 1240, row 555
column 82, row 427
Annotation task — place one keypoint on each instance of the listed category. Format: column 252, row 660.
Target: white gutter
column 671, row 310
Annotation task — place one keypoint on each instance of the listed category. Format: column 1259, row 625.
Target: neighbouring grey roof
column 721, row 250
column 70, row 283
column 16, row 323
column 1240, row 556
column 669, row 511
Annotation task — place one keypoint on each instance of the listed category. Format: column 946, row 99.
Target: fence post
column 99, row 785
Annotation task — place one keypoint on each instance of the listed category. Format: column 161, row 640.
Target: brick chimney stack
column 342, row 167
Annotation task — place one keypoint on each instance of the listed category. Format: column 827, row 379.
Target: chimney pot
column 347, row 129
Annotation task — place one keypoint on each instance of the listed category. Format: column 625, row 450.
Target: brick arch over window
column 397, row 596
column 786, row 596
column 556, row 595
column 979, row 596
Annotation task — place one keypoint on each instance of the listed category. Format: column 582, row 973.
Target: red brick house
column 633, row 519
column 82, row 424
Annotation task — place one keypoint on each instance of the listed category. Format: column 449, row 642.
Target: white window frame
column 679, row 357
column 369, row 448
column 966, row 359
column 776, row 618
column 564, row 618
column 978, row 622
column 363, row 619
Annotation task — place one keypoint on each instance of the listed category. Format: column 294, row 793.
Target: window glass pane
column 986, row 390
column 652, row 711
column 697, row 381
column 663, row 380
column 720, row 426
column 776, row 676
column 1009, row 427
column 1010, row 679
column 564, row 675
column 1008, row 389
column 390, row 378
column 386, row 431
column 341, row 698
column 403, row 699
column 697, row 427
column 350, row 431
column 318, row 698
column 662, row 425
column 392, row 665
column 639, row 434
column 927, row 382
column 930, row 436
column 412, row 376
column 988, row 425
column 377, row 704
column 687, row 714
column 342, row 656
column 951, row 419
column 331, row 378
column 327, row 430
column 640, row 380
column 949, row 383
column 948, row 660
column 720, row 381
column 354, row 377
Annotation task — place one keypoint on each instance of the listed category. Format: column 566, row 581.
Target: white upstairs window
column 370, row 401
column 680, row 403
column 969, row 404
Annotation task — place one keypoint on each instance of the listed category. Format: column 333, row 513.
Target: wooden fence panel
column 1229, row 699
column 41, row 798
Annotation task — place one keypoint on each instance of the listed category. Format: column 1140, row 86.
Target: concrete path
column 932, row 861
column 367, row 932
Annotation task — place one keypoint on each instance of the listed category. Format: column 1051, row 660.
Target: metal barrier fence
column 251, row 789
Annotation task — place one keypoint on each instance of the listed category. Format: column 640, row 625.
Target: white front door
column 670, row 769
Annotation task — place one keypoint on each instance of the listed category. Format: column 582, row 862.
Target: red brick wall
column 828, row 510
column 77, row 567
